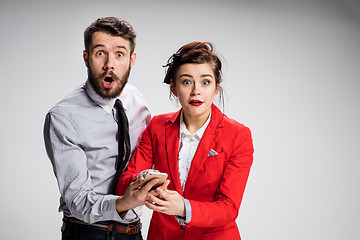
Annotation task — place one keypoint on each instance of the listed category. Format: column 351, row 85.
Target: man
column 81, row 138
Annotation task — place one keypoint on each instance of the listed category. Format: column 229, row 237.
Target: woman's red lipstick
column 196, row 102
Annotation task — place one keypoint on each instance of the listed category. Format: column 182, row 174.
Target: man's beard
column 111, row 93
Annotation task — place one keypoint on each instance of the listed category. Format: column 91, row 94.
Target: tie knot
column 118, row 104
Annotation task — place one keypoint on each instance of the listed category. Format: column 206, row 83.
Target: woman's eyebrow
column 185, row 75
column 191, row 76
column 206, row 75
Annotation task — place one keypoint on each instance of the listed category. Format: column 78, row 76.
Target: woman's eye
column 206, row 82
column 186, row 82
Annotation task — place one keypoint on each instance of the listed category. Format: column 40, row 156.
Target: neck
column 194, row 123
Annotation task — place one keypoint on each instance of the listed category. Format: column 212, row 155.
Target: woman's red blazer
column 216, row 181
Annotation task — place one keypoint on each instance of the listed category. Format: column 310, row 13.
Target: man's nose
column 110, row 63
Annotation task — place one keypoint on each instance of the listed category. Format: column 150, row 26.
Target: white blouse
column 188, row 144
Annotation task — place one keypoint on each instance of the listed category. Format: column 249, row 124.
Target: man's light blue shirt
column 80, row 135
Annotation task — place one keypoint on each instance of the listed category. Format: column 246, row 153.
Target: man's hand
column 135, row 195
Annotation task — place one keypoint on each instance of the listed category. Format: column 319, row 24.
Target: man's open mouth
column 108, row 82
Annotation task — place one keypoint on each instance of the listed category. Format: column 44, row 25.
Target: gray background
column 291, row 74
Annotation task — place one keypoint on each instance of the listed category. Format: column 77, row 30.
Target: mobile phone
column 151, row 175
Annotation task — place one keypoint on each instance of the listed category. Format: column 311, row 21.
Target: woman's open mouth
column 196, row 102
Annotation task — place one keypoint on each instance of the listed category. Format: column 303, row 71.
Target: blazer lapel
column 172, row 146
column 205, row 145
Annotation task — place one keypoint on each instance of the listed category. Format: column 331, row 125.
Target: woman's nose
column 195, row 90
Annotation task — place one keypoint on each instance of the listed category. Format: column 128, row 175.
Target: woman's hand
column 166, row 201
column 163, row 187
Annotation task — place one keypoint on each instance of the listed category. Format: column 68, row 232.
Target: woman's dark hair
column 194, row 52
column 113, row 26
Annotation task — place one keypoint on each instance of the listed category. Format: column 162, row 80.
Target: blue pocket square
column 212, row 153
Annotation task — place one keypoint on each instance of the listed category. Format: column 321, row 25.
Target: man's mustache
column 112, row 74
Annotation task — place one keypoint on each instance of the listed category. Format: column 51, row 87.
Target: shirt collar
column 198, row 134
column 106, row 104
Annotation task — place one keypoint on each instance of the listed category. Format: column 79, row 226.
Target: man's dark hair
column 113, row 26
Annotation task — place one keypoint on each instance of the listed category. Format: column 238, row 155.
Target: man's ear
column 86, row 58
column 132, row 59
column 173, row 89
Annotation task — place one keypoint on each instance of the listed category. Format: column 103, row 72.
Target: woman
column 206, row 155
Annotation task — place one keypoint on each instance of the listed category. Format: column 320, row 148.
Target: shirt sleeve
column 188, row 211
column 187, row 218
column 70, row 167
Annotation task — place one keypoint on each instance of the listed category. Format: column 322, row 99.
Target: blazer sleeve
column 142, row 159
column 228, row 196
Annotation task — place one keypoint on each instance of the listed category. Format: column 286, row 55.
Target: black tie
column 123, row 137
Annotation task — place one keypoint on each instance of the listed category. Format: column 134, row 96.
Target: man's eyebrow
column 102, row 45
column 98, row 45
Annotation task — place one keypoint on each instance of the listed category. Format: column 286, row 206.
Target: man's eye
column 120, row 54
column 100, row 53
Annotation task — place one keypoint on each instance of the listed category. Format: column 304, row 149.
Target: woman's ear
column 173, row 89
column 218, row 88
